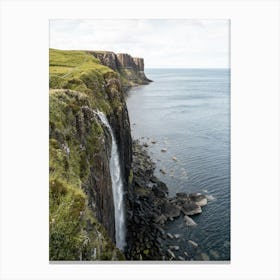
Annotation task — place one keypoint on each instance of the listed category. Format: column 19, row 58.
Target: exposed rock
column 170, row 210
column 170, row 235
column 186, row 254
column 152, row 207
column 204, row 257
column 164, row 150
column 161, row 219
column 190, row 208
column 210, row 197
column 194, row 244
column 189, row 221
column 214, row 254
column 198, row 198
column 171, row 254
column 175, row 248
column 181, row 258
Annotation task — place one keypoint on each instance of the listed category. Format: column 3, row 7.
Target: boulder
column 190, row 208
column 204, row 257
column 160, row 189
column 160, row 219
column 194, row 244
column 171, row 254
column 198, row 198
column 210, row 197
column 186, row 253
column 175, row 248
column 170, row 210
column 169, row 235
column 189, row 221
column 214, row 254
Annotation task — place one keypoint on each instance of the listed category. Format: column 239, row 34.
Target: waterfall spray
column 117, row 186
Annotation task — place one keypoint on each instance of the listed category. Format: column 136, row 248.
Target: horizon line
column 185, row 67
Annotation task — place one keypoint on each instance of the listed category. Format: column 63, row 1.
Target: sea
column 186, row 113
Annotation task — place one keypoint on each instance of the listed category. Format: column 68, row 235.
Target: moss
column 146, row 252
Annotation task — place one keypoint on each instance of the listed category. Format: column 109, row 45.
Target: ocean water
column 187, row 112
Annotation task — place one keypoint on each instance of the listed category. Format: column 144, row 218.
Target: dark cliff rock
column 108, row 59
column 131, row 69
column 125, row 60
column 139, row 62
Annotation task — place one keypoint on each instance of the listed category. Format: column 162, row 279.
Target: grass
column 77, row 86
column 76, row 70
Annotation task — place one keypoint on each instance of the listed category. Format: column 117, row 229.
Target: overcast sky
column 162, row 43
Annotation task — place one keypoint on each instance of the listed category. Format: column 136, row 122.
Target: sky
column 163, row 43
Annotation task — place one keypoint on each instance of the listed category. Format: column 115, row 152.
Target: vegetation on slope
column 77, row 82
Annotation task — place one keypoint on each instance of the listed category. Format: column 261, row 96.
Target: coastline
column 152, row 209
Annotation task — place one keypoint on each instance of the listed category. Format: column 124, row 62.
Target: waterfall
column 117, row 186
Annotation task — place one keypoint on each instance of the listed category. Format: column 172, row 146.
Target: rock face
column 107, row 58
column 132, row 68
column 80, row 149
column 125, row 60
column 139, row 62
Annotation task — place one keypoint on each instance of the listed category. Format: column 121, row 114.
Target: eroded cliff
column 82, row 225
column 131, row 69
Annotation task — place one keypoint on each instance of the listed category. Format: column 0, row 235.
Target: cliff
column 131, row 69
column 82, row 223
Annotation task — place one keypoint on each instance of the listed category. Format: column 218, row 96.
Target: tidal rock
column 171, row 254
column 160, row 229
column 214, row 254
column 177, row 235
column 189, row 221
column 169, row 235
column 186, row 253
column 174, row 158
column 153, row 141
column 182, row 196
column 175, row 248
column 160, row 190
column 190, row 208
column 204, row 257
column 198, row 198
column 164, row 150
column 161, row 219
column 181, row 258
column 194, row 244
column 171, row 210
column 210, row 197
column 162, row 171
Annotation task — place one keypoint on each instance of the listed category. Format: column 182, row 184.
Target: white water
column 117, row 186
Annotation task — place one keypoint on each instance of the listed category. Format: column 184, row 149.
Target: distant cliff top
column 130, row 68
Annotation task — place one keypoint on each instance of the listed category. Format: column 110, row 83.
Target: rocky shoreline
column 150, row 208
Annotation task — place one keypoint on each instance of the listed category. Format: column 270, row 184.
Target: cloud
column 162, row 43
